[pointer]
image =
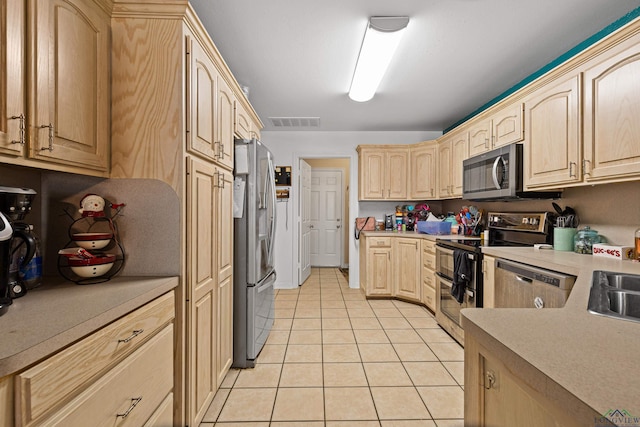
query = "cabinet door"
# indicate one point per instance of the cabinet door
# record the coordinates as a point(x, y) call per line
point(488, 281)
point(397, 171)
point(372, 172)
point(407, 268)
point(444, 169)
point(526, 407)
point(203, 81)
point(224, 242)
point(225, 124)
point(202, 287)
point(480, 138)
point(69, 97)
point(552, 129)
point(459, 153)
point(12, 78)
point(423, 172)
point(379, 281)
point(242, 122)
point(611, 112)
point(507, 126)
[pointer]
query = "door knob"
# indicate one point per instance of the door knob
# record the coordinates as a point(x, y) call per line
point(337, 226)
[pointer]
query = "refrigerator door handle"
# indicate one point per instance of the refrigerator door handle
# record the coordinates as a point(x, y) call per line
point(272, 181)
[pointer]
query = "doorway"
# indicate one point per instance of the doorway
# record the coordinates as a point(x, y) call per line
point(324, 205)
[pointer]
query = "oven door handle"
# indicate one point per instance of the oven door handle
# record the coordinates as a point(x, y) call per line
point(445, 250)
point(449, 284)
point(448, 281)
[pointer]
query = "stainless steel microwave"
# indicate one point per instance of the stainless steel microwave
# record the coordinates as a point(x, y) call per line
point(497, 175)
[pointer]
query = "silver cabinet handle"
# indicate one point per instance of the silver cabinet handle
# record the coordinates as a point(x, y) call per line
point(134, 334)
point(134, 403)
point(22, 139)
point(50, 147)
point(584, 166)
point(571, 166)
point(486, 142)
point(219, 178)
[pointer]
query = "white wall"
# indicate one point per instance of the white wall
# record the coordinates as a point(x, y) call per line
point(287, 148)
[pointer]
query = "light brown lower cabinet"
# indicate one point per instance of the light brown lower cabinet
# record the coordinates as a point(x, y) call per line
point(506, 393)
point(428, 274)
point(377, 266)
point(407, 268)
point(391, 266)
point(130, 393)
point(120, 375)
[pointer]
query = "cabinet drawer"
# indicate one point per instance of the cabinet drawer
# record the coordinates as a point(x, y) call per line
point(429, 261)
point(379, 242)
point(429, 296)
point(163, 417)
point(130, 393)
point(63, 375)
point(428, 278)
point(428, 247)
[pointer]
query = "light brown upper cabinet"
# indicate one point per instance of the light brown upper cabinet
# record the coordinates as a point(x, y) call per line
point(552, 134)
point(64, 124)
point(612, 112)
point(226, 111)
point(452, 151)
point(241, 122)
point(501, 128)
point(213, 113)
point(13, 78)
point(204, 89)
point(383, 172)
point(423, 170)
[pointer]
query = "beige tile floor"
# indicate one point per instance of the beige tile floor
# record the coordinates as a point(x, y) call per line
point(335, 359)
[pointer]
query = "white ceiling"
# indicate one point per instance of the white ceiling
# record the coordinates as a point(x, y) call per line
point(297, 56)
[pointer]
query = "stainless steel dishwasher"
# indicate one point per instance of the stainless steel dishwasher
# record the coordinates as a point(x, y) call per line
point(523, 286)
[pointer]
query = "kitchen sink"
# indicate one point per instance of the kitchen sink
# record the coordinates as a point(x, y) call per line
point(630, 282)
point(625, 303)
point(615, 295)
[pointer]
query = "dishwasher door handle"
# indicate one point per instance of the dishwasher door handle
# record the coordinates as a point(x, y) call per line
point(523, 279)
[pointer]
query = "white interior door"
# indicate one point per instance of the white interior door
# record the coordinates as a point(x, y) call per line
point(326, 218)
point(304, 231)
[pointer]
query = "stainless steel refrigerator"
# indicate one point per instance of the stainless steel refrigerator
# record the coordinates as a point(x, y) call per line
point(253, 266)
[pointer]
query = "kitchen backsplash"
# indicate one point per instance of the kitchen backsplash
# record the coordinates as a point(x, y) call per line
point(149, 225)
point(611, 209)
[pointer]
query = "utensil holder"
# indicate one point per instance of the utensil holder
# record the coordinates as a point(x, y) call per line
point(563, 238)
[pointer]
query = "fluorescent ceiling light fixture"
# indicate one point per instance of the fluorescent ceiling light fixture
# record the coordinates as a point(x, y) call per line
point(380, 42)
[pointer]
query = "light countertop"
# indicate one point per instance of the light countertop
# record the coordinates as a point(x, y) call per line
point(415, 234)
point(55, 315)
point(594, 358)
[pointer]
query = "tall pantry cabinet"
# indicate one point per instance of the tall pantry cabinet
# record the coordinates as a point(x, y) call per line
point(174, 104)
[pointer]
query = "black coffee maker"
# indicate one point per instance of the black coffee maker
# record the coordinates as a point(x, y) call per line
point(15, 204)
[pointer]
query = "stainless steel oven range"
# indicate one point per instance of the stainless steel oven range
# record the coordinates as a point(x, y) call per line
point(448, 308)
point(505, 229)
